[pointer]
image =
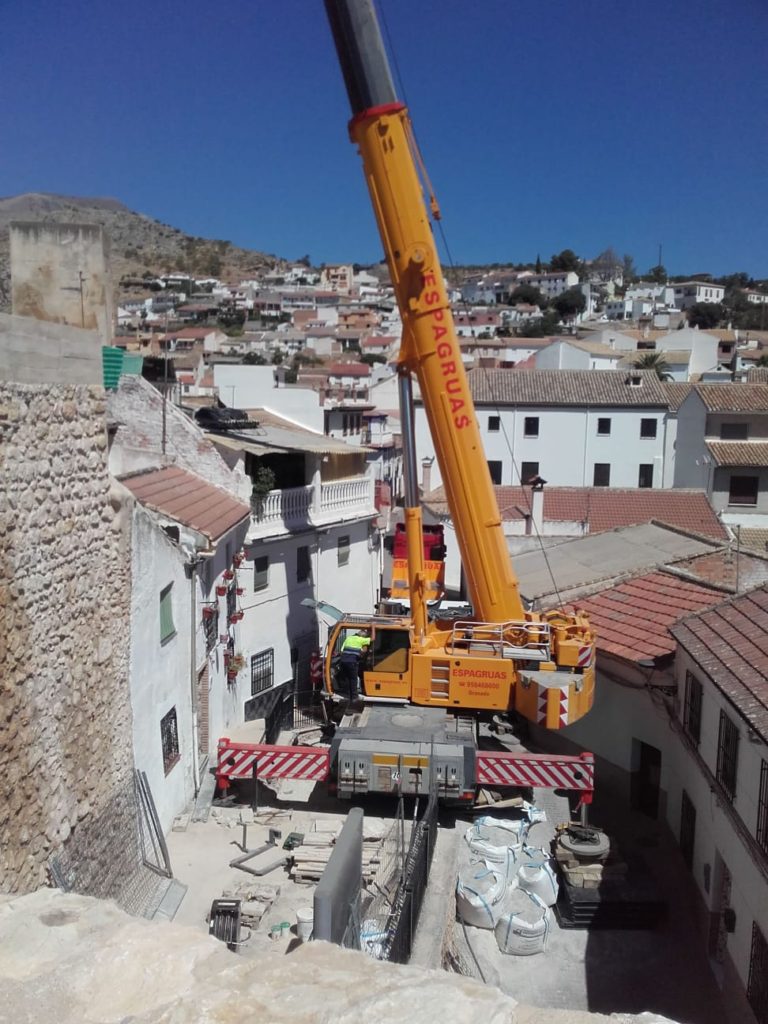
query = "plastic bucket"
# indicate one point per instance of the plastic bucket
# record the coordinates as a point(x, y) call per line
point(305, 919)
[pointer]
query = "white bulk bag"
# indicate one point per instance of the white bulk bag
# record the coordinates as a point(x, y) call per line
point(535, 875)
point(523, 928)
point(497, 841)
point(480, 895)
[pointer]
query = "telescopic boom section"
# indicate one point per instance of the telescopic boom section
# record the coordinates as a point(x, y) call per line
point(380, 126)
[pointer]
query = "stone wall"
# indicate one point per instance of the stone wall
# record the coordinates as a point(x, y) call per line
point(60, 273)
point(65, 724)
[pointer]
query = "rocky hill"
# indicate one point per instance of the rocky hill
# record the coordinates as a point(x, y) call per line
point(139, 244)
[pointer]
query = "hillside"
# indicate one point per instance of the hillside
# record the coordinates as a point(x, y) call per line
point(139, 244)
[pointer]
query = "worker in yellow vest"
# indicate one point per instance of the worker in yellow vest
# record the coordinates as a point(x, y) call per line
point(352, 653)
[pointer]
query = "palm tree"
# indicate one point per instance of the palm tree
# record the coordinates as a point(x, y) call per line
point(653, 361)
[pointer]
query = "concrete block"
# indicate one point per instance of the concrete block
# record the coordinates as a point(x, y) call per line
point(181, 822)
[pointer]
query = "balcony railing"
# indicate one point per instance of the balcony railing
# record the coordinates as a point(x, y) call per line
point(288, 507)
point(282, 511)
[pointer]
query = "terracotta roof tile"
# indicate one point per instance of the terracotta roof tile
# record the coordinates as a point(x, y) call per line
point(567, 387)
point(739, 453)
point(734, 397)
point(632, 620)
point(730, 643)
point(604, 508)
point(188, 500)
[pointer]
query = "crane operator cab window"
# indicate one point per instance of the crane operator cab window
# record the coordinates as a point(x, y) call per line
point(389, 651)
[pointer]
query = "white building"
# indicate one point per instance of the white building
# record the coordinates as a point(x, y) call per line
point(550, 284)
point(184, 532)
point(688, 293)
point(722, 447)
point(576, 428)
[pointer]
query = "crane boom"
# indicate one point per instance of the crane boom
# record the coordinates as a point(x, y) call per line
point(381, 128)
point(504, 658)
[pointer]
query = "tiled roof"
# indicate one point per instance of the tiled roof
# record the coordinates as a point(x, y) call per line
point(567, 387)
point(739, 453)
point(632, 619)
point(188, 500)
point(676, 392)
point(734, 397)
point(606, 508)
point(349, 370)
point(595, 348)
point(730, 643)
point(754, 538)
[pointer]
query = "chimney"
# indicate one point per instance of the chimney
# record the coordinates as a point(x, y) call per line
point(426, 474)
point(537, 504)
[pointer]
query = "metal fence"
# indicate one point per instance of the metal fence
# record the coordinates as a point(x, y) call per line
point(405, 918)
point(391, 912)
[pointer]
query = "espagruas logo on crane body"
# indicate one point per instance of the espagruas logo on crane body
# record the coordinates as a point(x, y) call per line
point(445, 353)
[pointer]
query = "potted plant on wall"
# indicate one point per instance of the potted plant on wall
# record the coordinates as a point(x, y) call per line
point(221, 590)
point(263, 483)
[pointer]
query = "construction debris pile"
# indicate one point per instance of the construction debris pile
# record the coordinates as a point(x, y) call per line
point(314, 852)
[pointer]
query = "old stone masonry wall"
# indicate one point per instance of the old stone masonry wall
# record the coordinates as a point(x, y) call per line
point(66, 766)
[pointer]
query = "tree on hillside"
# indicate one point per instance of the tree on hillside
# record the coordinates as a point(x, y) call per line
point(540, 327)
point(570, 303)
point(657, 274)
point(706, 315)
point(565, 260)
point(653, 361)
point(629, 268)
point(254, 359)
point(528, 295)
point(538, 263)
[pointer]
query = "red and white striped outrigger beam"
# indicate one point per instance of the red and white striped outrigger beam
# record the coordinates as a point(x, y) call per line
point(238, 761)
point(549, 771)
point(492, 767)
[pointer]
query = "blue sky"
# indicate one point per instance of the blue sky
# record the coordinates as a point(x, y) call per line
point(560, 123)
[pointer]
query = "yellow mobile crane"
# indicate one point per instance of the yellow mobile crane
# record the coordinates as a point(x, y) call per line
point(505, 659)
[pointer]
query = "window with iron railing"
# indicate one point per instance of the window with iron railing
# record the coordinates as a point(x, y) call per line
point(757, 983)
point(727, 755)
point(692, 702)
point(169, 737)
point(262, 670)
point(762, 808)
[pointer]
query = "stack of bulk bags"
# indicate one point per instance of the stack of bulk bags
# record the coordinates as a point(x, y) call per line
point(523, 928)
point(480, 895)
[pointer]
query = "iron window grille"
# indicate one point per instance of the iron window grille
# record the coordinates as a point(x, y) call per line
point(231, 601)
point(757, 984)
point(604, 426)
point(762, 808)
point(645, 475)
point(262, 671)
point(528, 470)
point(727, 755)
point(531, 426)
point(494, 468)
point(211, 626)
point(169, 736)
point(692, 707)
point(494, 423)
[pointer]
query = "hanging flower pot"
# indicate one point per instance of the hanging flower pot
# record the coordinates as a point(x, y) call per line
point(231, 675)
point(208, 611)
point(221, 591)
point(228, 574)
point(238, 559)
point(223, 638)
point(240, 591)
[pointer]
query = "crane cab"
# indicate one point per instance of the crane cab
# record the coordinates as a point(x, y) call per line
point(385, 667)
